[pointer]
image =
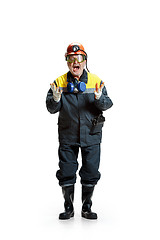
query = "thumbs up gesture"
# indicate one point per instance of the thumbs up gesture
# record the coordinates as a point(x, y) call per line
point(98, 91)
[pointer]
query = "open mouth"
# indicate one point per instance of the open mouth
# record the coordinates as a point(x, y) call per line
point(76, 68)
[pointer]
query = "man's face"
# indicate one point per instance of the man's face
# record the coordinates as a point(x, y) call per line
point(76, 67)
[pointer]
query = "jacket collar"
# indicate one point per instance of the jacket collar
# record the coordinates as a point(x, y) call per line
point(83, 78)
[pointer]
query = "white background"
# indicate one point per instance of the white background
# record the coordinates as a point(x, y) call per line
point(122, 39)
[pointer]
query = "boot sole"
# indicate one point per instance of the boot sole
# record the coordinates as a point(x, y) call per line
point(89, 216)
point(66, 217)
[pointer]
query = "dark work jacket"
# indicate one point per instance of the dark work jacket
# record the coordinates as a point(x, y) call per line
point(76, 113)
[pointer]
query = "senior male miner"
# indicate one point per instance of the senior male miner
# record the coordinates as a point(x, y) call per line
point(80, 97)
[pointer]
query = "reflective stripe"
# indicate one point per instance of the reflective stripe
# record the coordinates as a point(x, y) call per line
point(88, 90)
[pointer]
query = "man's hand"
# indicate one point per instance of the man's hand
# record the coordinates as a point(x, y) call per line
point(56, 92)
point(98, 91)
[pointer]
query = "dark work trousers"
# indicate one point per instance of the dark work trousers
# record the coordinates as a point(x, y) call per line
point(68, 164)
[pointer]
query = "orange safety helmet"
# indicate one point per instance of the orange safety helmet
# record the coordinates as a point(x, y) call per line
point(75, 48)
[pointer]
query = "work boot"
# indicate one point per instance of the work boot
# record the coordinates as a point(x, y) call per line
point(87, 193)
point(68, 193)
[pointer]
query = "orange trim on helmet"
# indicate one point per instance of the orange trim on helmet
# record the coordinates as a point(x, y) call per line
point(70, 49)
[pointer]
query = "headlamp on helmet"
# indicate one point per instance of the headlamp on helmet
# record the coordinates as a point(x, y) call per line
point(75, 48)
